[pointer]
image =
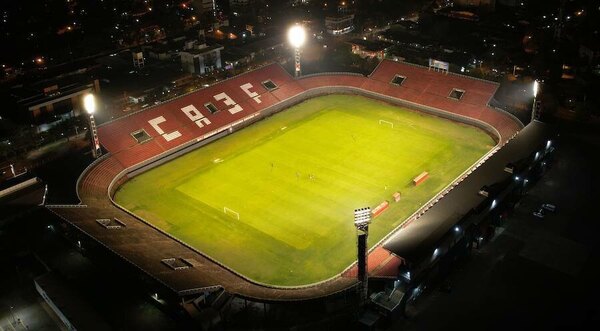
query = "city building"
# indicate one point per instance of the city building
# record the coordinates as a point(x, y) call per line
point(339, 24)
point(45, 105)
point(242, 7)
point(201, 59)
point(205, 6)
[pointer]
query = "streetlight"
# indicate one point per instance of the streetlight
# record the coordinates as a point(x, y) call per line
point(89, 104)
point(297, 37)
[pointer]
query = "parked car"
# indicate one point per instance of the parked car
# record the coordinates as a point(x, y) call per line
point(540, 213)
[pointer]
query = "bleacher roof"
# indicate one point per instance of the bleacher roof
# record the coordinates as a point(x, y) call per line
point(415, 241)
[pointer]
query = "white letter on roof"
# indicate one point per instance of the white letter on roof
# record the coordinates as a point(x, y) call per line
point(168, 136)
point(229, 102)
point(246, 88)
point(195, 115)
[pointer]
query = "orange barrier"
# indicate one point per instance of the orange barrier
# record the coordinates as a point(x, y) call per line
point(421, 178)
point(380, 209)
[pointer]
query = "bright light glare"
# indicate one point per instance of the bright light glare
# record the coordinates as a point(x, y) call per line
point(297, 36)
point(536, 87)
point(89, 103)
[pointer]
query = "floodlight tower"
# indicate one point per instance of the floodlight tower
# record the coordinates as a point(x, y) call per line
point(362, 219)
point(535, 109)
point(297, 37)
point(89, 103)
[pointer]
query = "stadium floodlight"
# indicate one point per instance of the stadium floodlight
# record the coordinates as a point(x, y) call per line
point(297, 37)
point(362, 218)
point(89, 104)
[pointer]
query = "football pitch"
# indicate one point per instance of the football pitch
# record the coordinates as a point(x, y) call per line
point(275, 201)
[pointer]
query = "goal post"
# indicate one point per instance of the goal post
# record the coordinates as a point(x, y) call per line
point(386, 123)
point(231, 212)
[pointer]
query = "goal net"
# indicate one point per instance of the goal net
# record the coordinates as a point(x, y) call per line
point(386, 123)
point(231, 212)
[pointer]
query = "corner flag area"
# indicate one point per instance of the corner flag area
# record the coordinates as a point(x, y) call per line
point(275, 201)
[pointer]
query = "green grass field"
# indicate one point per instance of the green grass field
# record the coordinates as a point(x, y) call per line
point(295, 180)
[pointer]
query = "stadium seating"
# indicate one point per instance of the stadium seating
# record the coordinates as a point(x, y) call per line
point(139, 153)
point(243, 96)
point(376, 258)
point(168, 127)
point(331, 80)
point(94, 183)
point(388, 268)
point(287, 91)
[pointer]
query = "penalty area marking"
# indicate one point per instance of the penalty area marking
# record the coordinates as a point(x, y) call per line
point(387, 123)
point(231, 212)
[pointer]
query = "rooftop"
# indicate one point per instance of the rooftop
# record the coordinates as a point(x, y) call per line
point(415, 241)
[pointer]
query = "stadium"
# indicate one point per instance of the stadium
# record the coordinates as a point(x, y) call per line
point(248, 186)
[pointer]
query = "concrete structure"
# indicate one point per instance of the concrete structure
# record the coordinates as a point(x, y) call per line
point(201, 59)
point(138, 59)
point(71, 309)
point(339, 24)
point(466, 219)
point(52, 101)
point(205, 6)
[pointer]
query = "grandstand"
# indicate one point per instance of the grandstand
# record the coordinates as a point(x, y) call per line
point(160, 133)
